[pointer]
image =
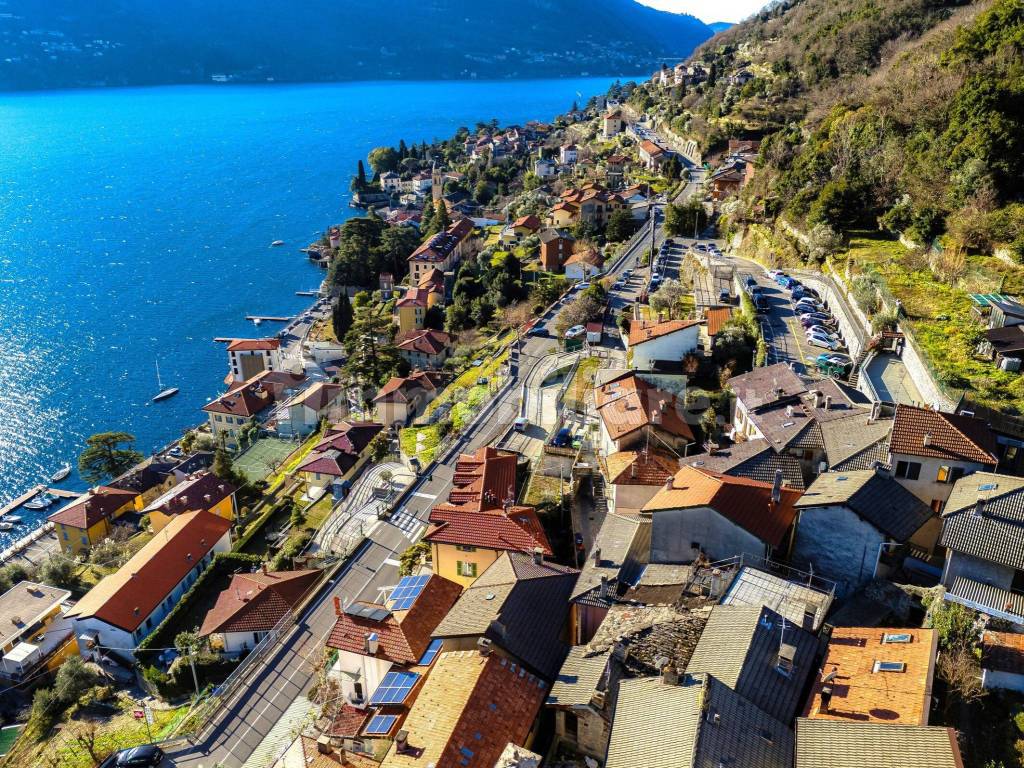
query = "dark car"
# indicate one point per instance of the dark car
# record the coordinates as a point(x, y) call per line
point(145, 756)
point(539, 331)
point(579, 542)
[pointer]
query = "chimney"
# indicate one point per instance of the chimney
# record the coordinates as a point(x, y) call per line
point(401, 741)
point(264, 565)
point(603, 593)
point(323, 744)
point(777, 487)
point(876, 411)
point(669, 674)
point(597, 554)
point(828, 402)
point(817, 398)
point(372, 643)
point(483, 645)
point(979, 507)
point(789, 411)
point(538, 556)
point(337, 606)
point(927, 440)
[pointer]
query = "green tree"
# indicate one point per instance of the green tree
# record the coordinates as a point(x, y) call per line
point(59, 571)
point(427, 219)
point(371, 356)
point(682, 218)
point(443, 221)
point(383, 159)
point(222, 466)
point(341, 316)
point(104, 457)
point(359, 180)
point(620, 226)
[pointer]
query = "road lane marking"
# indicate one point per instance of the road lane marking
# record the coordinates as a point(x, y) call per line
point(391, 561)
point(430, 496)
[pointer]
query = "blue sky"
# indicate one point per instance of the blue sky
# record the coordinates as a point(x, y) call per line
point(710, 10)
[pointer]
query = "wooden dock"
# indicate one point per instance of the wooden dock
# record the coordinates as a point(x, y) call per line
point(35, 491)
point(269, 318)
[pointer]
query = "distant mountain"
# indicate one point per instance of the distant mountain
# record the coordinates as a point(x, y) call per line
point(70, 43)
point(721, 26)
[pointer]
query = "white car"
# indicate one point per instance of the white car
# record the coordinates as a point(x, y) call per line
point(817, 330)
point(575, 331)
point(774, 273)
point(821, 341)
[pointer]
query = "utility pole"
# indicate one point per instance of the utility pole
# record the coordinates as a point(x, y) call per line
point(192, 664)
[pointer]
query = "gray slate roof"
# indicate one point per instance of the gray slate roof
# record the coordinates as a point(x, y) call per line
point(875, 498)
point(843, 744)
point(754, 459)
point(579, 676)
point(855, 441)
point(997, 534)
point(520, 606)
point(740, 646)
point(625, 545)
point(984, 597)
point(675, 726)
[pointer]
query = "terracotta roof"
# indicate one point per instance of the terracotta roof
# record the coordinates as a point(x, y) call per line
point(628, 403)
point(529, 221)
point(640, 468)
point(129, 595)
point(470, 707)
point(641, 332)
point(414, 297)
point(949, 435)
point(398, 388)
point(305, 753)
point(835, 744)
point(517, 530)
point(318, 396)
point(862, 694)
point(483, 480)
point(256, 602)
point(586, 256)
point(432, 279)
point(427, 341)
point(340, 448)
point(87, 510)
point(404, 635)
point(717, 317)
point(253, 345)
point(440, 246)
point(748, 503)
point(651, 148)
point(203, 490)
point(248, 399)
point(1002, 652)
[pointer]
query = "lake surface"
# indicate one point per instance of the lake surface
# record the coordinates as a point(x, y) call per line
point(135, 226)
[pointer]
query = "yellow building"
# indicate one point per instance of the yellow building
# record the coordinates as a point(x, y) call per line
point(411, 310)
point(203, 491)
point(564, 215)
point(480, 520)
point(90, 518)
point(32, 629)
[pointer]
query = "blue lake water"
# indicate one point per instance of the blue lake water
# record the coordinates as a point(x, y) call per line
point(135, 225)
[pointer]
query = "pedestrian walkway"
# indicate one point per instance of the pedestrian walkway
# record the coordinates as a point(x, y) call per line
point(299, 713)
point(891, 380)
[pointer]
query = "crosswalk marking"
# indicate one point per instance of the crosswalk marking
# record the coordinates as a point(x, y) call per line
point(391, 561)
point(429, 496)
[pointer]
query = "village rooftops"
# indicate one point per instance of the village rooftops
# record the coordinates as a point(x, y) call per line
point(521, 606)
point(747, 503)
point(629, 403)
point(759, 654)
point(586, 256)
point(529, 221)
point(400, 389)
point(469, 709)
point(440, 246)
point(317, 396)
point(647, 467)
point(835, 744)
point(128, 596)
point(253, 345)
point(934, 434)
point(640, 333)
point(24, 605)
point(340, 448)
point(755, 459)
point(426, 341)
point(204, 490)
point(414, 297)
point(256, 602)
point(651, 148)
point(858, 441)
point(619, 551)
point(872, 674)
point(693, 722)
point(402, 635)
point(547, 235)
point(716, 318)
point(95, 505)
point(874, 497)
point(984, 518)
point(767, 386)
point(246, 400)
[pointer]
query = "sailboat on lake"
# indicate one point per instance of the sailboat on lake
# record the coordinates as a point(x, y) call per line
point(164, 393)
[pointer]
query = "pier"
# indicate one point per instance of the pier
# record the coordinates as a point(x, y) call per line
point(37, 545)
point(269, 318)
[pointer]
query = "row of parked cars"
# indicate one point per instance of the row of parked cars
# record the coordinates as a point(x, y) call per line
point(820, 327)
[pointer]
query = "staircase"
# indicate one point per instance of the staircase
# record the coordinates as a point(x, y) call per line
point(855, 369)
point(600, 500)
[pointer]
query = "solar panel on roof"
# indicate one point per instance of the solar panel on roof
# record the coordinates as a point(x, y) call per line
point(409, 588)
point(432, 650)
point(394, 688)
point(380, 724)
point(366, 611)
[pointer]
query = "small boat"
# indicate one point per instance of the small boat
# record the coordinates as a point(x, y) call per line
point(165, 392)
point(13, 519)
point(256, 321)
point(277, 243)
point(5, 527)
point(61, 474)
point(38, 502)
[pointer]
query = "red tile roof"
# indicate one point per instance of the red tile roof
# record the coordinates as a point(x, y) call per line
point(203, 490)
point(586, 256)
point(398, 388)
point(403, 635)
point(630, 403)
point(247, 400)
point(717, 317)
point(427, 341)
point(256, 602)
point(414, 297)
point(85, 511)
point(748, 503)
point(129, 595)
point(641, 332)
point(640, 468)
point(339, 449)
point(253, 345)
point(926, 432)
point(529, 221)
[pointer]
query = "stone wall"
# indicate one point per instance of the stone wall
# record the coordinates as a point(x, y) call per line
point(923, 380)
point(839, 546)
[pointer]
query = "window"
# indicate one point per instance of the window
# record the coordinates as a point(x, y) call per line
point(889, 666)
point(908, 470)
point(943, 475)
point(896, 637)
point(255, 638)
point(571, 726)
point(466, 569)
point(465, 548)
point(65, 532)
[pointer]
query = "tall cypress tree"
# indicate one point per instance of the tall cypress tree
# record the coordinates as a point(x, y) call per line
point(361, 175)
point(341, 317)
point(443, 221)
point(427, 220)
point(403, 151)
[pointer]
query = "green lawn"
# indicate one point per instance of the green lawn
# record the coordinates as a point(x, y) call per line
point(939, 313)
point(8, 736)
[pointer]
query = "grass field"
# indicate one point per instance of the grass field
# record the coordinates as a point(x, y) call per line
point(8, 736)
point(261, 458)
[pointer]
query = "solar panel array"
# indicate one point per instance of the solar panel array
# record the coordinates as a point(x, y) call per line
point(380, 724)
point(432, 650)
point(394, 688)
point(408, 589)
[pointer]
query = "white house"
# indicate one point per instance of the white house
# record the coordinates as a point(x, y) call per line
point(584, 264)
point(304, 410)
point(248, 357)
point(568, 154)
point(544, 168)
point(125, 607)
point(390, 181)
point(669, 340)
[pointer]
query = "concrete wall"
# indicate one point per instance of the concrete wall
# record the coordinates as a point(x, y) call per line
point(838, 544)
point(923, 379)
point(969, 567)
point(350, 668)
point(1009, 681)
point(926, 487)
point(673, 530)
point(631, 497)
point(673, 346)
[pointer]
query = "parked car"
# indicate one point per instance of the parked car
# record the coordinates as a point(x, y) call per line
point(539, 332)
point(749, 281)
point(618, 286)
point(146, 756)
point(520, 424)
point(724, 297)
point(775, 274)
point(830, 367)
point(818, 330)
point(788, 282)
point(575, 331)
point(562, 438)
point(821, 341)
point(807, 321)
point(803, 292)
point(807, 305)
point(822, 316)
point(760, 302)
